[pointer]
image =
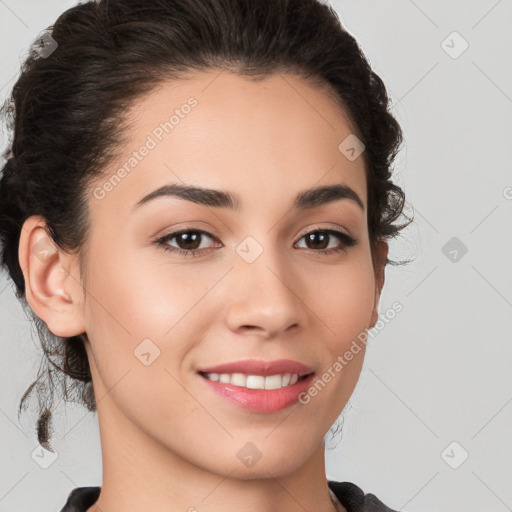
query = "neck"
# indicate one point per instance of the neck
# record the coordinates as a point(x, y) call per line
point(140, 473)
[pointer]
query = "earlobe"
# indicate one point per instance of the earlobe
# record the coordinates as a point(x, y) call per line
point(51, 290)
point(380, 269)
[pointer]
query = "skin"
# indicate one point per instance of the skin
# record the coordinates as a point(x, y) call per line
point(168, 442)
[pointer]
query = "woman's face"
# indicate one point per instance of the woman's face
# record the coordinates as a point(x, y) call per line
point(256, 286)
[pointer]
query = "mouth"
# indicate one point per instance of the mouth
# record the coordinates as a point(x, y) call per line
point(248, 381)
point(258, 385)
point(257, 393)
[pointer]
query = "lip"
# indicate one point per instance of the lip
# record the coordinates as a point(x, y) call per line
point(260, 367)
point(260, 400)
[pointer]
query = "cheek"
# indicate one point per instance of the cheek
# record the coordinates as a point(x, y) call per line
point(344, 299)
point(137, 305)
point(133, 297)
point(137, 339)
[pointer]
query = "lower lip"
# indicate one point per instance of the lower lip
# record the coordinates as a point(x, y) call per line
point(261, 400)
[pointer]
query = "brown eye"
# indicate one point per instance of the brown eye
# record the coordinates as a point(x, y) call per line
point(188, 241)
point(319, 241)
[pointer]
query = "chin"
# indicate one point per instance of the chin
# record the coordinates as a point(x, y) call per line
point(253, 463)
point(262, 469)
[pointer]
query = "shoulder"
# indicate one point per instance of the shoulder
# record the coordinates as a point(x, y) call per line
point(354, 499)
point(81, 498)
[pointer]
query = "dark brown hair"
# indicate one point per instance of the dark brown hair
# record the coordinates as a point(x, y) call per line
point(66, 111)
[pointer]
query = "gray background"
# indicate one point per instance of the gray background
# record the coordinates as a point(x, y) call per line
point(439, 372)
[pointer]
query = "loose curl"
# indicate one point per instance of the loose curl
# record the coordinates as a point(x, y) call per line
point(66, 118)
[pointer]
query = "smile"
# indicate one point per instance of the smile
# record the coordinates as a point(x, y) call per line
point(255, 381)
point(258, 393)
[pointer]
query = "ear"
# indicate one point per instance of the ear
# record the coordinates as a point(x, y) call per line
point(381, 255)
point(52, 281)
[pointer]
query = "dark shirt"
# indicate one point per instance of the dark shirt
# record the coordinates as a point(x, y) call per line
point(349, 495)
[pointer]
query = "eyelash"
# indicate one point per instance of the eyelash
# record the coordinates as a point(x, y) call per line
point(347, 241)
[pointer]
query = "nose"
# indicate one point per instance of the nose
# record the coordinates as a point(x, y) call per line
point(265, 297)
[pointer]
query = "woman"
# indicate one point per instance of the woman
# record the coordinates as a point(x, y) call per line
point(196, 212)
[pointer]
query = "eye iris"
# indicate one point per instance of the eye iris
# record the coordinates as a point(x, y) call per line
point(190, 237)
point(321, 234)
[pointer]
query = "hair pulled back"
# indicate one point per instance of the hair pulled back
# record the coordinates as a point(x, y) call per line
point(66, 109)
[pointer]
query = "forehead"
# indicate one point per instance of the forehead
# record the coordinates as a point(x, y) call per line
point(272, 138)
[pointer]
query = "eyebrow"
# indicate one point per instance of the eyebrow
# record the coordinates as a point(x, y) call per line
point(221, 199)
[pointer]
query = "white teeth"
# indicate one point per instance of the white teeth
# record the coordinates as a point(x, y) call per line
point(255, 381)
point(273, 382)
point(238, 379)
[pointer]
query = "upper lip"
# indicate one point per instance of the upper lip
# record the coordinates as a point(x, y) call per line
point(259, 367)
